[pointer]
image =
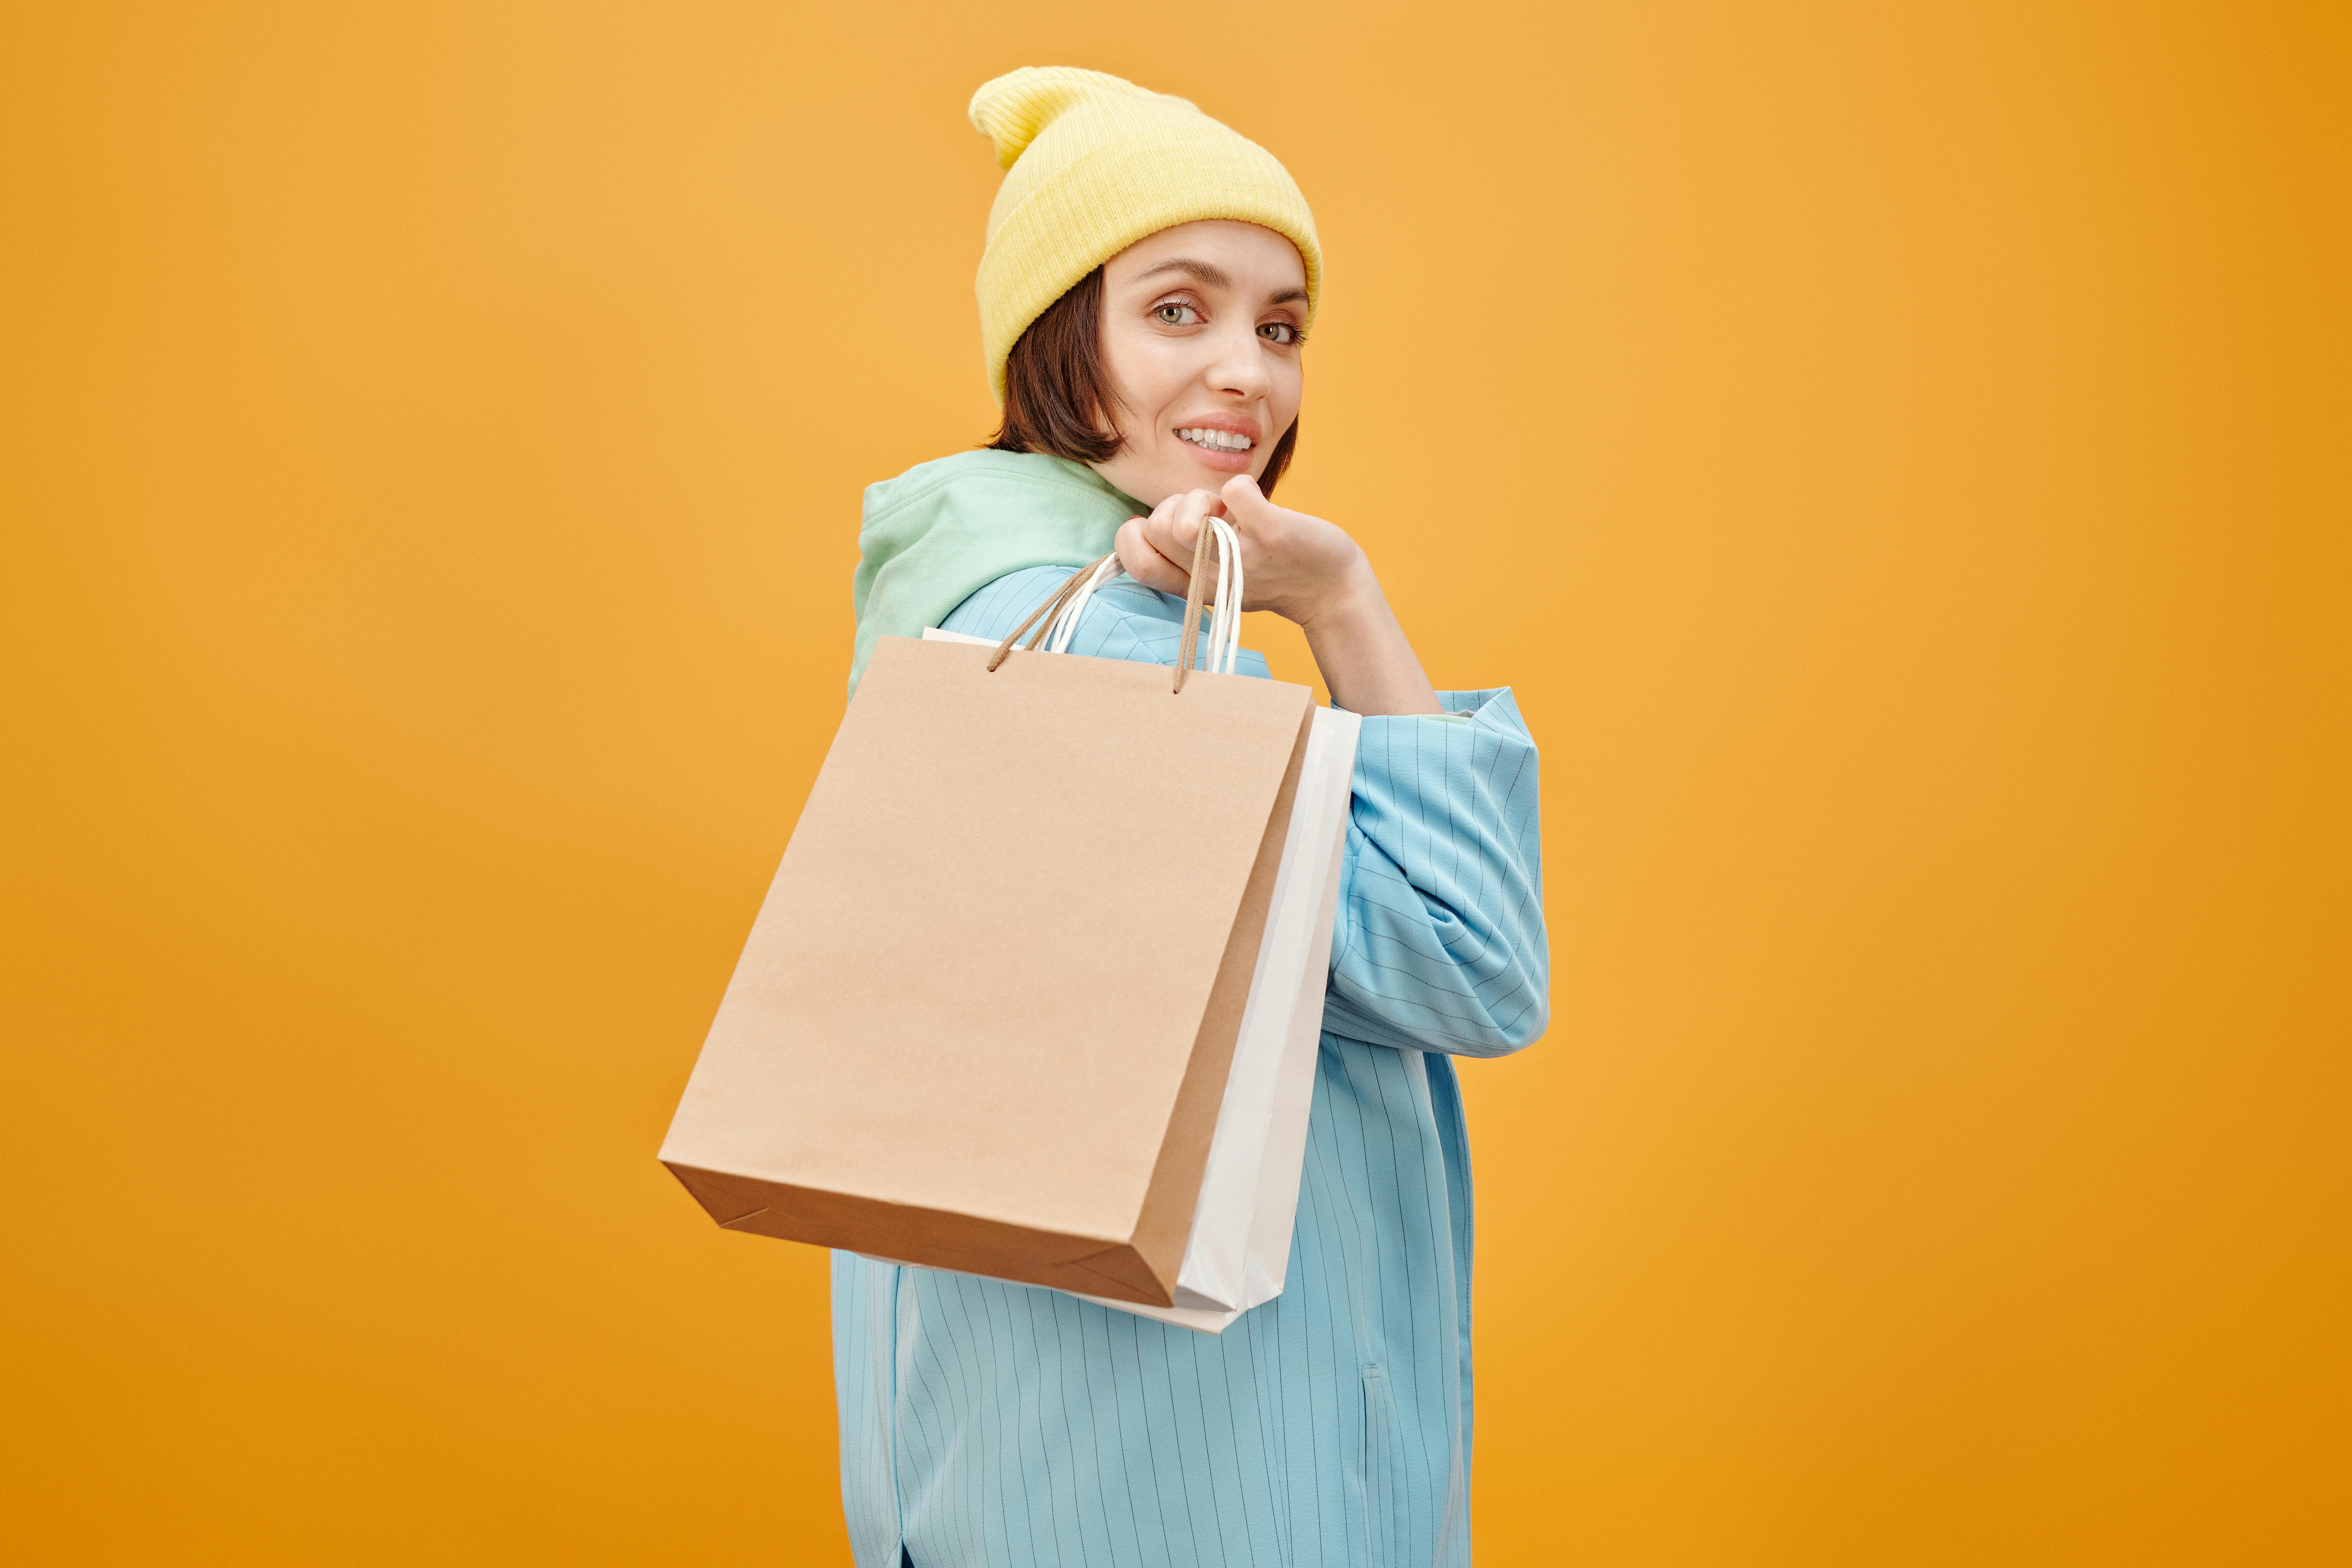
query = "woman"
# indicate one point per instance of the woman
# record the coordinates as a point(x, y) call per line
point(1145, 294)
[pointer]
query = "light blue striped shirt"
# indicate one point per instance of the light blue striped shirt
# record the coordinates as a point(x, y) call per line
point(986, 1424)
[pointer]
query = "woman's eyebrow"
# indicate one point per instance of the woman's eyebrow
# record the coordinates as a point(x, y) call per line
point(1215, 278)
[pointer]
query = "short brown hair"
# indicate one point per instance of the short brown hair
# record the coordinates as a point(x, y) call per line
point(1057, 395)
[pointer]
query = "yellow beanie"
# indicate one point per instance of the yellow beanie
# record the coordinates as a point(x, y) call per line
point(1095, 163)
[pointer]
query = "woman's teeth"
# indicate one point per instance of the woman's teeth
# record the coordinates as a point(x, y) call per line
point(1217, 441)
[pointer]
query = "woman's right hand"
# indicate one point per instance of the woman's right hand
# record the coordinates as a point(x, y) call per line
point(1303, 568)
point(1295, 565)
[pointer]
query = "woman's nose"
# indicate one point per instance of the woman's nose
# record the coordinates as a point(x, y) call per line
point(1240, 365)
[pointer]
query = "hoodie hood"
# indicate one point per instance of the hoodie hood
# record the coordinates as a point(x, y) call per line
point(944, 529)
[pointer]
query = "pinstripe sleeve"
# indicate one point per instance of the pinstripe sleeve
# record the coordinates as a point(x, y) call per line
point(1441, 944)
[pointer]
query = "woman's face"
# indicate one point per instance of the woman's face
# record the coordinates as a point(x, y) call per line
point(1201, 330)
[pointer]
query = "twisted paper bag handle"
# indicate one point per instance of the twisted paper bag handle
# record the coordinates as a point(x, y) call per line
point(1061, 610)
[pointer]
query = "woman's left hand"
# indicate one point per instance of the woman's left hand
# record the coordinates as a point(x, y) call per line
point(1303, 568)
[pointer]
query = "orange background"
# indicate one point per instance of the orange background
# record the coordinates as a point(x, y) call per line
point(1898, 454)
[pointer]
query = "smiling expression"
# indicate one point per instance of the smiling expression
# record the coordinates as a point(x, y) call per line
point(1201, 329)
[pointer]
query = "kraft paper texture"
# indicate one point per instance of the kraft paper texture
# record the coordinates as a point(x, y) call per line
point(983, 1018)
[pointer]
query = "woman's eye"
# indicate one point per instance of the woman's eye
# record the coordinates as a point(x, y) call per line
point(1278, 332)
point(1176, 315)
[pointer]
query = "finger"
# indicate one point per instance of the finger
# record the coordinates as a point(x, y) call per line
point(1246, 504)
point(1156, 529)
point(1242, 498)
point(1175, 525)
point(1159, 528)
point(1144, 562)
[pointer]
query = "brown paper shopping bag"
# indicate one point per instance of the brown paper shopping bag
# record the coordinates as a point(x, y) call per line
point(983, 1019)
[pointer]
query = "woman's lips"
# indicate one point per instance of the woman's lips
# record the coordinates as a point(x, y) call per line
point(1223, 459)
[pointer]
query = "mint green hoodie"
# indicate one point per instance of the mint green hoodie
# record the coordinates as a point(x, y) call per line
point(944, 529)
